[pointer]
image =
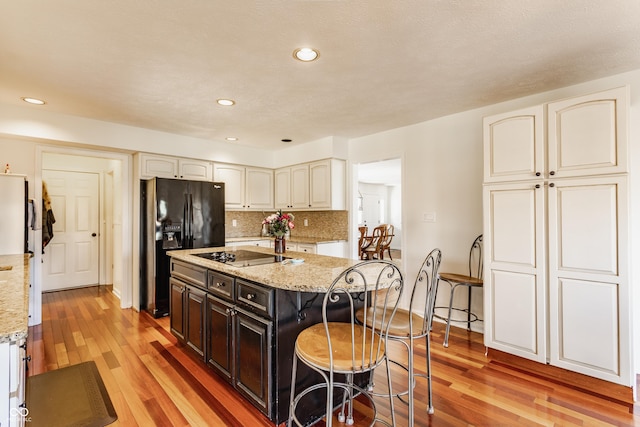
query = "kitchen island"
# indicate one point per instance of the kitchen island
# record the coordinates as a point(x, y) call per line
point(243, 321)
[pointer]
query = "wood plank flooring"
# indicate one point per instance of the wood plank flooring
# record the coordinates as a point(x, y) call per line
point(152, 380)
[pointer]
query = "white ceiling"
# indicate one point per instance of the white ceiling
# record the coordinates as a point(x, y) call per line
point(383, 64)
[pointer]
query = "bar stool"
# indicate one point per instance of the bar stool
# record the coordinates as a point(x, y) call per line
point(345, 348)
point(410, 325)
point(470, 281)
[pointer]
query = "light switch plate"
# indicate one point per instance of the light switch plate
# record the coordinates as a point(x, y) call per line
point(428, 217)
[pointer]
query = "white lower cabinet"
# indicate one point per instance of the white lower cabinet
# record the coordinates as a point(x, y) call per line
point(12, 383)
point(556, 281)
point(263, 243)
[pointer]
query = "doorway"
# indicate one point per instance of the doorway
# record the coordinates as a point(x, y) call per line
point(71, 258)
point(115, 223)
point(379, 193)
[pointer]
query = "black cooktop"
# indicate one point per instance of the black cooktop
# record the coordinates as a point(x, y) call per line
point(242, 258)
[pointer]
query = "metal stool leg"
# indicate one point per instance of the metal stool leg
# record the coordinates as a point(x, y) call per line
point(446, 335)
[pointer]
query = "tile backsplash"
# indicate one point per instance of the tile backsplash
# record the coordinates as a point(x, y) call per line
point(332, 225)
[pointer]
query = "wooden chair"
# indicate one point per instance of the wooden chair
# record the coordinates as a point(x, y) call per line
point(364, 241)
point(470, 281)
point(382, 237)
point(341, 351)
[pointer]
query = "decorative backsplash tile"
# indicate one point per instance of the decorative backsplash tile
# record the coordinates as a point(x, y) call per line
point(330, 225)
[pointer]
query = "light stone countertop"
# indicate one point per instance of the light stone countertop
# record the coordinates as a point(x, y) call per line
point(294, 239)
point(14, 298)
point(315, 274)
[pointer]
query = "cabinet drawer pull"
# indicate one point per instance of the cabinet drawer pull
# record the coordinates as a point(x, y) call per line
point(220, 284)
point(251, 296)
point(537, 185)
point(552, 185)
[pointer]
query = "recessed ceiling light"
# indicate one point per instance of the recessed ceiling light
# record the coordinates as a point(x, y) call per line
point(231, 138)
point(34, 101)
point(306, 54)
point(226, 102)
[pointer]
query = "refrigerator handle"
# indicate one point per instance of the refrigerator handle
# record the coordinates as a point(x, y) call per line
point(190, 220)
point(185, 222)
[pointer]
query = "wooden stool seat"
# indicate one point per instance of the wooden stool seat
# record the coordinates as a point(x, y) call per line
point(400, 324)
point(461, 278)
point(313, 347)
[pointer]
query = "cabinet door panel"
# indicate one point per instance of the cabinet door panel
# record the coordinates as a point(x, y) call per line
point(234, 184)
point(513, 225)
point(587, 331)
point(589, 310)
point(195, 170)
point(259, 191)
point(586, 223)
point(219, 339)
point(177, 306)
point(195, 319)
point(588, 134)
point(514, 286)
point(514, 145)
point(300, 186)
point(515, 316)
point(253, 359)
point(282, 179)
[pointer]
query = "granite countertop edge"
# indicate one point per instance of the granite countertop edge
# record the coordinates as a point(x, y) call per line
point(14, 300)
point(294, 239)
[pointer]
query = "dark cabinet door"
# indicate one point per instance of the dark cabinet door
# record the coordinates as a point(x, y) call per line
point(177, 311)
point(195, 318)
point(253, 377)
point(219, 339)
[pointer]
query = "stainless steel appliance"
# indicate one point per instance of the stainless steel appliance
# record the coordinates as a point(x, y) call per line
point(13, 214)
point(176, 214)
point(242, 258)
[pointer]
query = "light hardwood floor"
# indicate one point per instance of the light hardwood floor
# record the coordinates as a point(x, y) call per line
point(152, 380)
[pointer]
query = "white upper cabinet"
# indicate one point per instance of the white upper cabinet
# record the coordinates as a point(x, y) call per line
point(588, 135)
point(327, 184)
point(152, 165)
point(514, 145)
point(292, 187)
point(245, 187)
point(317, 185)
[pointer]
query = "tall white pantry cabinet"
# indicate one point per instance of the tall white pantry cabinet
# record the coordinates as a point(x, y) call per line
point(555, 199)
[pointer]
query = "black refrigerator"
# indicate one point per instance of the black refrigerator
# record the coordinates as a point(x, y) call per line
point(175, 214)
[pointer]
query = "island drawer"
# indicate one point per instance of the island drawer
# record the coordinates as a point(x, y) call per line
point(190, 273)
point(256, 298)
point(221, 285)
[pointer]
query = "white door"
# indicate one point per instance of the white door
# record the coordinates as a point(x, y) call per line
point(588, 287)
point(71, 257)
point(514, 289)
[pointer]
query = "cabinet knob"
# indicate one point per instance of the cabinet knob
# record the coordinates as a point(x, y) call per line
point(552, 173)
point(552, 185)
point(537, 173)
point(219, 284)
point(251, 296)
point(537, 185)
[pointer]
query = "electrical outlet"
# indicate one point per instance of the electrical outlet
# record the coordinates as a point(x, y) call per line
point(234, 223)
point(306, 222)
